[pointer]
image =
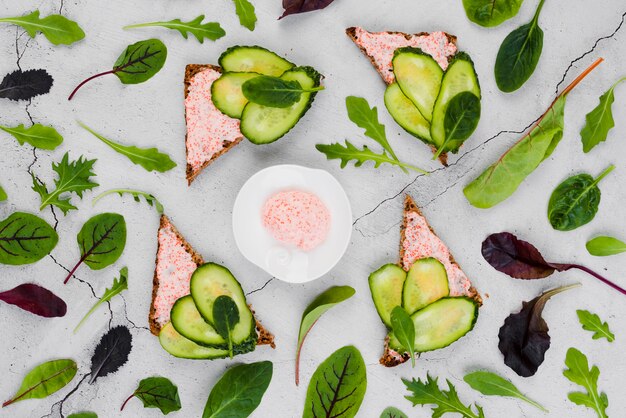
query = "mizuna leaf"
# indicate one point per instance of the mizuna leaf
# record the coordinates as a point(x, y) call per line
point(444, 401)
point(490, 13)
point(239, 391)
point(338, 386)
point(83, 415)
point(118, 286)
point(578, 372)
point(157, 392)
point(302, 6)
point(403, 328)
point(111, 353)
point(56, 28)
point(604, 246)
point(225, 317)
point(274, 91)
point(35, 299)
point(24, 85)
point(599, 120)
point(592, 322)
point(39, 136)
point(44, 380)
point(245, 11)
point(491, 384)
point(391, 412)
point(314, 311)
point(209, 30)
point(349, 152)
point(149, 158)
point(25, 239)
point(136, 194)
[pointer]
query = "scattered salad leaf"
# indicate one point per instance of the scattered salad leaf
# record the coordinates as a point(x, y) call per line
point(490, 13)
point(578, 372)
point(349, 152)
point(3, 194)
point(302, 6)
point(111, 352)
point(460, 121)
point(225, 317)
point(74, 177)
point(157, 392)
point(119, 285)
point(391, 412)
point(101, 241)
point(35, 299)
point(149, 158)
point(592, 322)
point(245, 11)
point(138, 63)
point(39, 136)
point(338, 386)
point(603, 246)
point(445, 401)
point(44, 380)
point(150, 199)
point(239, 391)
point(274, 91)
point(83, 415)
point(202, 31)
point(599, 120)
point(322, 303)
point(575, 201)
point(404, 330)
point(25, 239)
point(491, 384)
point(58, 29)
point(524, 337)
point(24, 85)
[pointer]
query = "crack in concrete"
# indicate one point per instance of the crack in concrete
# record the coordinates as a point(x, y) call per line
point(132, 324)
point(74, 276)
point(261, 288)
point(61, 402)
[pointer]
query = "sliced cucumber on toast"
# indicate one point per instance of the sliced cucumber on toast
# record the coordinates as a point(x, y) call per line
point(404, 112)
point(253, 59)
point(181, 347)
point(226, 93)
point(426, 282)
point(188, 322)
point(386, 285)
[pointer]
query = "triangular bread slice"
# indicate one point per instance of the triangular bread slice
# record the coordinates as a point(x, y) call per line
point(210, 133)
point(419, 240)
point(176, 260)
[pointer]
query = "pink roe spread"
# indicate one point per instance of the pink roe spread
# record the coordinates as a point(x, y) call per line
point(297, 218)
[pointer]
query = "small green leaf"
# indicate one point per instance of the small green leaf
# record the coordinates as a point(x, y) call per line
point(489, 13)
point(225, 317)
point(25, 239)
point(140, 61)
point(157, 392)
point(460, 121)
point(445, 401)
point(404, 330)
point(592, 322)
point(274, 91)
point(3, 194)
point(603, 246)
point(83, 415)
point(39, 136)
point(245, 11)
point(578, 372)
point(349, 152)
point(118, 286)
point(391, 412)
point(150, 199)
point(599, 120)
point(491, 384)
point(209, 30)
point(56, 28)
point(44, 380)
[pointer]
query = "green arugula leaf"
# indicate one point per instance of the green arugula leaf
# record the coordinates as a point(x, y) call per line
point(404, 330)
point(149, 158)
point(157, 392)
point(491, 384)
point(150, 199)
point(25, 239)
point(3, 194)
point(489, 13)
point(225, 317)
point(314, 311)
point(578, 372)
point(83, 415)
point(119, 285)
point(391, 412)
point(599, 120)
point(274, 91)
point(245, 11)
point(592, 322)
point(74, 177)
point(445, 401)
point(239, 391)
point(44, 380)
point(209, 30)
point(604, 246)
point(39, 136)
point(350, 152)
point(56, 28)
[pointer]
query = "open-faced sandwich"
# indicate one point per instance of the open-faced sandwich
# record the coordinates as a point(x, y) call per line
point(429, 285)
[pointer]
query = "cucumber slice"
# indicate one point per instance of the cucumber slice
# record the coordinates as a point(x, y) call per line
point(227, 95)
point(441, 323)
point(419, 76)
point(253, 59)
point(188, 322)
point(459, 77)
point(386, 285)
point(181, 347)
point(406, 114)
point(426, 282)
point(263, 124)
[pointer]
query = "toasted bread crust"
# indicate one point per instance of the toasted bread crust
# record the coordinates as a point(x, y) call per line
point(265, 337)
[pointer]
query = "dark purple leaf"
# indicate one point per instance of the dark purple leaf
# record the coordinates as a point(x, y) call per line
point(35, 299)
point(24, 85)
point(111, 352)
point(524, 337)
point(301, 6)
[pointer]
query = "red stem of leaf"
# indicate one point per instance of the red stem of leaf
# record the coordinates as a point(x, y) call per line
point(301, 343)
point(71, 273)
point(594, 274)
point(88, 80)
point(126, 401)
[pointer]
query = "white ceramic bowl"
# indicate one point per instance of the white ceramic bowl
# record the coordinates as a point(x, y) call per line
point(285, 262)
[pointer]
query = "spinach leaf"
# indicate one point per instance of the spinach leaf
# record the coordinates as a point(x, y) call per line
point(578, 372)
point(274, 91)
point(314, 311)
point(302, 6)
point(404, 330)
point(445, 401)
point(225, 317)
point(491, 384)
point(490, 13)
point(44, 380)
point(391, 412)
point(209, 30)
point(101, 241)
point(35, 299)
point(39, 136)
point(56, 28)
point(239, 391)
point(25, 239)
point(150, 199)
point(460, 121)
point(603, 246)
point(575, 201)
point(157, 392)
point(599, 120)
point(592, 322)
point(148, 158)
point(24, 85)
point(119, 285)
point(245, 11)
point(349, 152)
point(111, 353)
point(337, 386)
point(83, 415)
point(519, 54)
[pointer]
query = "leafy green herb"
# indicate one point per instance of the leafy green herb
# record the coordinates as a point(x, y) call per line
point(575, 201)
point(149, 158)
point(490, 13)
point(592, 322)
point(445, 401)
point(599, 120)
point(225, 317)
point(603, 246)
point(56, 28)
point(3, 194)
point(150, 199)
point(349, 152)
point(491, 384)
point(83, 415)
point(245, 11)
point(138, 63)
point(404, 329)
point(519, 54)
point(391, 412)
point(314, 311)
point(578, 372)
point(274, 91)
point(239, 391)
point(44, 380)
point(101, 241)
point(157, 392)
point(202, 31)
point(119, 285)
point(39, 136)
point(462, 116)
point(25, 239)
